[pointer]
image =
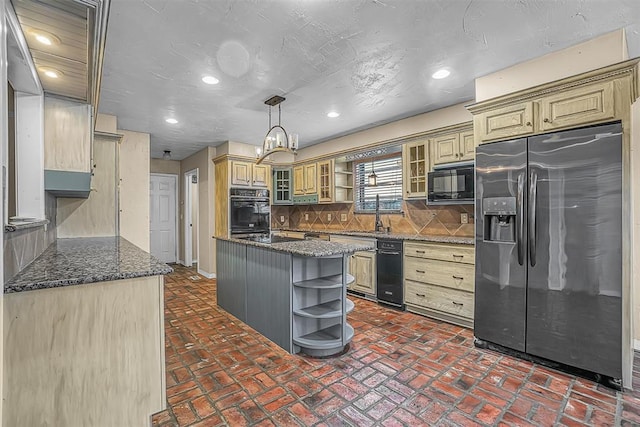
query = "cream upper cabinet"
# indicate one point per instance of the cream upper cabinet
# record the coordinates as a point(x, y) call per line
point(416, 163)
point(325, 182)
point(467, 145)
point(250, 174)
point(579, 106)
point(455, 147)
point(551, 110)
point(504, 123)
point(260, 175)
point(240, 173)
point(67, 135)
point(305, 179)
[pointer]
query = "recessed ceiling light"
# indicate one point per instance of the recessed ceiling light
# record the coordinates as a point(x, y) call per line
point(441, 74)
point(210, 80)
point(52, 73)
point(44, 39)
point(333, 114)
point(171, 121)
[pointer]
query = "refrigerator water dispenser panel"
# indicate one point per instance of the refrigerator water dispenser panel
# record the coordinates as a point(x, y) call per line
point(499, 219)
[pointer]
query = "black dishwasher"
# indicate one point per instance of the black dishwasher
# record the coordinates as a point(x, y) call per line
point(389, 272)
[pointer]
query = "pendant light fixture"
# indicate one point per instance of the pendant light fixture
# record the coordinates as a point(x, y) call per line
point(277, 139)
point(373, 178)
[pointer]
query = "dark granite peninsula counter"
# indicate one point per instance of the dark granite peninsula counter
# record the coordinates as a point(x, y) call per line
point(86, 260)
point(294, 293)
point(84, 328)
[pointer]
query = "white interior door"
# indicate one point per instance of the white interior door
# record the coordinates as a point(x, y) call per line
point(162, 216)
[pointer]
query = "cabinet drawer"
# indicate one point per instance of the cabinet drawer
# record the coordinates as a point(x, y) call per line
point(577, 107)
point(504, 123)
point(456, 253)
point(448, 274)
point(447, 300)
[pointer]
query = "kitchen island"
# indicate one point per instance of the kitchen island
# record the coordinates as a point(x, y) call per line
point(292, 292)
point(84, 336)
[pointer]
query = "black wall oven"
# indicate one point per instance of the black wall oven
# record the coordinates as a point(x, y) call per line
point(249, 212)
point(451, 185)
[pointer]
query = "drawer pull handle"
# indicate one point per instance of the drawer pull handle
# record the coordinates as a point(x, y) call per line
point(458, 277)
point(420, 271)
point(419, 252)
point(528, 124)
point(457, 303)
point(458, 256)
point(547, 120)
point(421, 295)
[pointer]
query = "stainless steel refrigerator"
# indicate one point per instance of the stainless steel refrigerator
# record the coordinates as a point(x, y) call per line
point(549, 247)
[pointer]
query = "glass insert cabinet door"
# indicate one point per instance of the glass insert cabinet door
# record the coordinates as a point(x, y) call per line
point(282, 191)
point(416, 164)
point(325, 175)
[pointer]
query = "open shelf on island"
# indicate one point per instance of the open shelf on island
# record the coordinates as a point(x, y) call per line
point(326, 339)
point(327, 282)
point(325, 311)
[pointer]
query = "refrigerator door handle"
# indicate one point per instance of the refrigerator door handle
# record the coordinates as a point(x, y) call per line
point(520, 219)
point(533, 188)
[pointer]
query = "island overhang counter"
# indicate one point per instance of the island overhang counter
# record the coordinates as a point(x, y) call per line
point(294, 293)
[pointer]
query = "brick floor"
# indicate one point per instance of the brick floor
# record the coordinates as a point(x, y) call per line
point(400, 370)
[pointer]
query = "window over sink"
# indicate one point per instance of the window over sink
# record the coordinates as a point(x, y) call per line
point(388, 170)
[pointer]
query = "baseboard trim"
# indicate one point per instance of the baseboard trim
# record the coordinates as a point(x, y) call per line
point(636, 345)
point(207, 275)
point(181, 262)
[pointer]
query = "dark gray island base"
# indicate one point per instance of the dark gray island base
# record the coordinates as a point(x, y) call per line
point(293, 293)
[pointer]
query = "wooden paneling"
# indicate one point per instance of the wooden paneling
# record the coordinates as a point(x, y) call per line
point(231, 268)
point(504, 123)
point(311, 178)
point(134, 188)
point(67, 135)
point(580, 106)
point(222, 198)
point(363, 268)
point(95, 216)
point(467, 146)
point(86, 355)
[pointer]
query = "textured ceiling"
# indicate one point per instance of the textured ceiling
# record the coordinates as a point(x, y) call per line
point(371, 60)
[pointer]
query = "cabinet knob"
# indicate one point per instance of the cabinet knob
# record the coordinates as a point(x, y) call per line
point(461, 154)
point(547, 120)
point(528, 124)
point(457, 154)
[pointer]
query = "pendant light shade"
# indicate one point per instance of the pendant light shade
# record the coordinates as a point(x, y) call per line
point(373, 178)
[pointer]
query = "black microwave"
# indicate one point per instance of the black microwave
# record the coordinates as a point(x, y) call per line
point(454, 185)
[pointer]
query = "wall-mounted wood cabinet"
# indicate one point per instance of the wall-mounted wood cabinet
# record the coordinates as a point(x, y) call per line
point(578, 106)
point(305, 179)
point(415, 160)
point(249, 174)
point(282, 193)
point(343, 181)
point(453, 147)
point(325, 182)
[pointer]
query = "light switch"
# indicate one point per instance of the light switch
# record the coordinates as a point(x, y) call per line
point(343, 217)
point(464, 218)
point(328, 217)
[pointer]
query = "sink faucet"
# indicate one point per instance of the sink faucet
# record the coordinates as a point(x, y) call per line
point(379, 225)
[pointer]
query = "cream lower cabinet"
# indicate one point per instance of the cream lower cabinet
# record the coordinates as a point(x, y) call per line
point(439, 281)
point(362, 266)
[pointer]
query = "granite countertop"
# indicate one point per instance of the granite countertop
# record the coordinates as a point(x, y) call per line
point(398, 236)
point(15, 225)
point(70, 262)
point(310, 248)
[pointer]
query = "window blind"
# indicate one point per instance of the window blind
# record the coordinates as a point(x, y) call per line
point(389, 184)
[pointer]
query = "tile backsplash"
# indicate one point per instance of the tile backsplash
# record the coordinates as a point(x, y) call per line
point(417, 218)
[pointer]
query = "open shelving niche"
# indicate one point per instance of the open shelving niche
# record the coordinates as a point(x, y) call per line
point(343, 181)
point(320, 305)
